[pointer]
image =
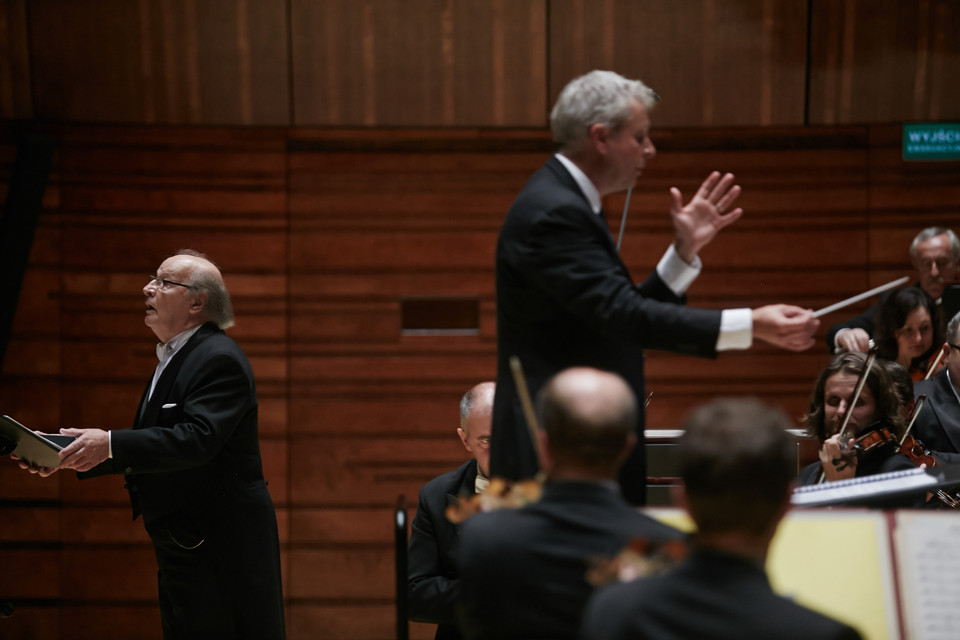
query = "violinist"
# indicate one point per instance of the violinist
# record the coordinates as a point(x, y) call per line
point(938, 422)
point(909, 330)
point(871, 440)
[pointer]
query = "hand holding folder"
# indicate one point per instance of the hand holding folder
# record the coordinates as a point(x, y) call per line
point(38, 452)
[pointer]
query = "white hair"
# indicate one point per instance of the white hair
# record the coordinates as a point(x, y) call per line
point(598, 97)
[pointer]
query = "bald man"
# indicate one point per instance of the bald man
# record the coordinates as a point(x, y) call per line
point(523, 571)
point(192, 464)
point(432, 577)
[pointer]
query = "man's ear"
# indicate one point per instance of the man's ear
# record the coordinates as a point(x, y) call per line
point(199, 302)
point(597, 135)
point(463, 438)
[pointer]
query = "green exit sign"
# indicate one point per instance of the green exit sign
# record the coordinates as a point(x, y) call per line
point(931, 141)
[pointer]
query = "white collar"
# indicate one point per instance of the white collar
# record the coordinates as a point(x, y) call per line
point(166, 350)
point(586, 186)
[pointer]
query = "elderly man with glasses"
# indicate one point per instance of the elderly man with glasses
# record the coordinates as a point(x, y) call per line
point(192, 464)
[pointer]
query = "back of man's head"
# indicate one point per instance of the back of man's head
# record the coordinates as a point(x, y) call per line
point(737, 463)
point(589, 417)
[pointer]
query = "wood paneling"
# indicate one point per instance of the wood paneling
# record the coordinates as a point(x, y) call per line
point(322, 234)
point(884, 61)
point(714, 63)
point(15, 94)
point(161, 61)
point(419, 62)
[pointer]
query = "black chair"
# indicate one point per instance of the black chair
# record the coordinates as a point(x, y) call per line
point(400, 565)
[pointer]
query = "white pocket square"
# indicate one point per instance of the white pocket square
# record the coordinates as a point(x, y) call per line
point(169, 406)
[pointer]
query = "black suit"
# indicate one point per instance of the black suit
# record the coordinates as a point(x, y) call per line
point(564, 298)
point(938, 423)
point(523, 571)
point(193, 470)
point(711, 595)
point(432, 578)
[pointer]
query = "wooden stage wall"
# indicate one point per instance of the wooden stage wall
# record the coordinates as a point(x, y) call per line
point(322, 237)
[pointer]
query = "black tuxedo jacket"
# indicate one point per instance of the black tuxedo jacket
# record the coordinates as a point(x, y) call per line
point(710, 595)
point(523, 571)
point(193, 470)
point(432, 578)
point(565, 298)
point(196, 438)
point(938, 423)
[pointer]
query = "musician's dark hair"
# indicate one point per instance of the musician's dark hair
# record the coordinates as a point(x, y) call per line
point(892, 315)
point(878, 381)
point(737, 462)
point(899, 378)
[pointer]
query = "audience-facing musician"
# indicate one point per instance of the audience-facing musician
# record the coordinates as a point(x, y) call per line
point(523, 571)
point(909, 330)
point(876, 410)
point(737, 465)
point(935, 253)
point(432, 578)
point(938, 422)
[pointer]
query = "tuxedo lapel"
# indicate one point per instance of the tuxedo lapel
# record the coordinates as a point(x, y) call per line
point(169, 375)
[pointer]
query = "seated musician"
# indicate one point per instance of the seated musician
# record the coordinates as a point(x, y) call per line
point(938, 422)
point(909, 330)
point(736, 461)
point(870, 442)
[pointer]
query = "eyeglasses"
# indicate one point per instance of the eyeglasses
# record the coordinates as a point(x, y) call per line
point(163, 283)
point(955, 347)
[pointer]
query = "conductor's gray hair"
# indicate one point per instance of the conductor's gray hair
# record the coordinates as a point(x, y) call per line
point(598, 97)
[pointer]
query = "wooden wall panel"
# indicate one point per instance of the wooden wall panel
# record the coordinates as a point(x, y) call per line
point(213, 62)
point(713, 63)
point(419, 62)
point(884, 61)
point(15, 92)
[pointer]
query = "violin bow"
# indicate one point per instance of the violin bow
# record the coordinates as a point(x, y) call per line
point(913, 417)
point(933, 367)
point(531, 416)
point(867, 365)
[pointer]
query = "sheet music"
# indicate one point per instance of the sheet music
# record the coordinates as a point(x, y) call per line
point(928, 557)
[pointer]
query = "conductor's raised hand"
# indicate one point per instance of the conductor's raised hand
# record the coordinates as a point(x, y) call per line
point(785, 326)
point(696, 223)
point(91, 447)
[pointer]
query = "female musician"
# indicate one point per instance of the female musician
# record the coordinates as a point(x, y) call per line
point(876, 416)
point(909, 330)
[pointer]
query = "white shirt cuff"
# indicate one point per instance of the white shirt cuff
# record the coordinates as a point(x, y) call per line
point(676, 273)
point(109, 444)
point(736, 329)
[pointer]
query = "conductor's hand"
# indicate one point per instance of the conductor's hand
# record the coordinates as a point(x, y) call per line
point(696, 224)
point(43, 472)
point(91, 447)
point(853, 340)
point(785, 326)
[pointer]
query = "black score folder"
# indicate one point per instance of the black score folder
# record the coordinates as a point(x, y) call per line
point(39, 449)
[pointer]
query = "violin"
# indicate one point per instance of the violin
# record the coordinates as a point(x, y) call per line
point(876, 437)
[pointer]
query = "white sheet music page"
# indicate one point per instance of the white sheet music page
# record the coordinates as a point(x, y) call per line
point(928, 557)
